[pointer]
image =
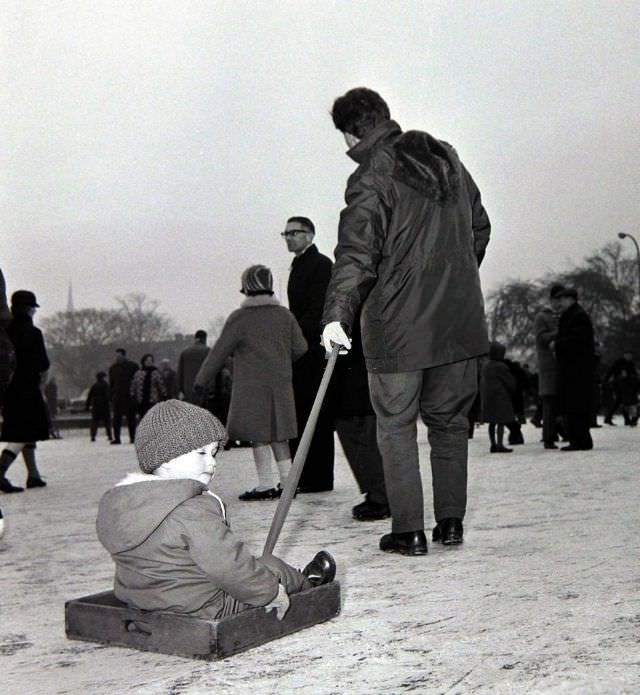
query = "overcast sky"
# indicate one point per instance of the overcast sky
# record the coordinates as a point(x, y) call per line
point(159, 147)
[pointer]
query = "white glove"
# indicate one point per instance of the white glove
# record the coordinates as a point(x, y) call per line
point(333, 334)
point(280, 603)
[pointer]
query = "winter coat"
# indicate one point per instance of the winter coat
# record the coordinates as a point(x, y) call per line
point(147, 387)
point(409, 244)
point(545, 328)
point(24, 411)
point(575, 361)
point(497, 387)
point(189, 363)
point(120, 378)
point(98, 398)
point(174, 551)
point(624, 375)
point(264, 339)
point(7, 353)
point(170, 379)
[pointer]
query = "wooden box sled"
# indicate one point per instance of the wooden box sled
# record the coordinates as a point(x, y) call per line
point(103, 618)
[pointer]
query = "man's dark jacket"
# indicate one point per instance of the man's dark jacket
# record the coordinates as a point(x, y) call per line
point(409, 245)
point(120, 377)
point(575, 361)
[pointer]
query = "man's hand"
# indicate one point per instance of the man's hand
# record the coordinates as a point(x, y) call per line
point(333, 334)
point(280, 603)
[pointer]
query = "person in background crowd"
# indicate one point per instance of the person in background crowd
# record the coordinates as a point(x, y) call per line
point(521, 389)
point(497, 387)
point(98, 401)
point(623, 376)
point(410, 241)
point(264, 338)
point(51, 396)
point(596, 399)
point(355, 424)
point(574, 348)
point(147, 386)
point(306, 288)
point(545, 328)
point(7, 356)
point(25, 419)
point(121, 375)
point(189, 363)
point(170, 378)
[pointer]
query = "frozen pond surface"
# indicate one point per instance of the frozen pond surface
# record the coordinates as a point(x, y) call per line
point(543, 597)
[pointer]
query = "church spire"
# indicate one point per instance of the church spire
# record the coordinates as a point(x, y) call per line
point(70, 308)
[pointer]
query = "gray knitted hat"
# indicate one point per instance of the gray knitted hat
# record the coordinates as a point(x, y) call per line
point(172, 428)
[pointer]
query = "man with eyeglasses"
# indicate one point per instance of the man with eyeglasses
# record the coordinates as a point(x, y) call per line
point(308, 280)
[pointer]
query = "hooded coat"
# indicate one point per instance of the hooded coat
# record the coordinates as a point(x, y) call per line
point(410, 241)
point(174, 551)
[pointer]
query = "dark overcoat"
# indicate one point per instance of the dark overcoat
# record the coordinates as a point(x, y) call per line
point(575, 361)
point(497, 386)
point(409, 244)
point(24, 411)
point(189, 363)
point(121, 375)
point(545, 328)
point(264, 339)
point(98, 399)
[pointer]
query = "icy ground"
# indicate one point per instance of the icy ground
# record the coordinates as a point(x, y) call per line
point(543, 597)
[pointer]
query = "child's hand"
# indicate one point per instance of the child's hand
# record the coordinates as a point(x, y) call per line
point(280, 603)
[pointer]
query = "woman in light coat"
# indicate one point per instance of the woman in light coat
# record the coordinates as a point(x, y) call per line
point(264, 339)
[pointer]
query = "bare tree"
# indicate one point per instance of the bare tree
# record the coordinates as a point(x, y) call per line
point(140, 320)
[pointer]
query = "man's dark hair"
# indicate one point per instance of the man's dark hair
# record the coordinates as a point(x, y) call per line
point(201, 335)
point(359, 111)
point(121, 351)
point(305, 222)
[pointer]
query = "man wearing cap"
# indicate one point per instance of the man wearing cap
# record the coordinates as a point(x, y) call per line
point(24, 412)
point(410, 241)
point(308, 279)
point(574, 348)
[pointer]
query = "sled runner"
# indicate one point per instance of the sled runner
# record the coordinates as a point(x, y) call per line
point(103, 618)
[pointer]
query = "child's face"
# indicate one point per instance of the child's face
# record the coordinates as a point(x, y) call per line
point(199, 464)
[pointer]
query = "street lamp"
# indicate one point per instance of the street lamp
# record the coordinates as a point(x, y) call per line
point(622, 235)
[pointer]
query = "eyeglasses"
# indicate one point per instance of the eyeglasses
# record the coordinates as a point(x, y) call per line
point(292, 232)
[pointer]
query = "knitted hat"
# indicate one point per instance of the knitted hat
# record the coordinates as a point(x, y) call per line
point(257, 279)
point(172, 428)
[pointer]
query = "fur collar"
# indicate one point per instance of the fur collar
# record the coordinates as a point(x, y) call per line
point(430, 166)
point(260, 300)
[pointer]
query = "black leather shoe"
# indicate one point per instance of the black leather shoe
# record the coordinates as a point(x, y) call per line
point(409, 543)
point(370, 511)
point(495, 449)
point(448, 531)
point(550, 445)
point(7, 487)
point(35, 482)
point(571, 447)
point(116, 441)
point(321, 570)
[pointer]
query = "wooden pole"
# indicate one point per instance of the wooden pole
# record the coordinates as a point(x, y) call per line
point(300, 457)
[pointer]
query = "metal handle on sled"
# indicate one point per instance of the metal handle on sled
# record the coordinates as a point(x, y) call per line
point(300, 457)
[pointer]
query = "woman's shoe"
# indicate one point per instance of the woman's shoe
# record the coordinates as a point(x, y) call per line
point(256, 495)
point(496, 449)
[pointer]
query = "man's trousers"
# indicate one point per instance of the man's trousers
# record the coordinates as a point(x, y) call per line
point(442, 396)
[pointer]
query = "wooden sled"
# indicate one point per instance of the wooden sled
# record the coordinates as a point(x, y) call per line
point(103, 618)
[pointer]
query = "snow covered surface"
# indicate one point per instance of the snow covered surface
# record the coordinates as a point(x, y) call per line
point(543, 597)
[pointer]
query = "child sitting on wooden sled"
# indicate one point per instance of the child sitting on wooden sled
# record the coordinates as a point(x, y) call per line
point(169, 536)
